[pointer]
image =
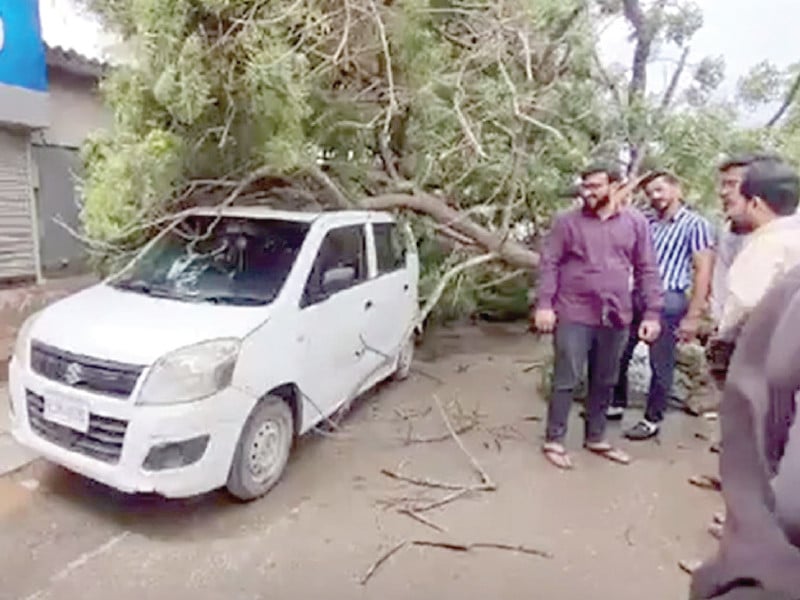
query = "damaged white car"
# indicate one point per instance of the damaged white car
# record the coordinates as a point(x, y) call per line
point(234, 332)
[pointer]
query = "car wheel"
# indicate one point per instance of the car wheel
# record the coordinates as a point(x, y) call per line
point(404, 360)
point(263, 449)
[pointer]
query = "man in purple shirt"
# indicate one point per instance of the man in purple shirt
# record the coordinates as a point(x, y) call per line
point(584, 296)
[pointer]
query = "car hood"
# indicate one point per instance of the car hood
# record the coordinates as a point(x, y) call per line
point(133, 328)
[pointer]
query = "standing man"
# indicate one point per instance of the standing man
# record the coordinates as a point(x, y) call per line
point(684, 246)
point(584, 296)
point(732, 236)
point(759, 552)
point(770, 189)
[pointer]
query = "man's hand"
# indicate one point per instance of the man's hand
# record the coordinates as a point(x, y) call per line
point(687, 330)
point(649, 331)
point(545, 320)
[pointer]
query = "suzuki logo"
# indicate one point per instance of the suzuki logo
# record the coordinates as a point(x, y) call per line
point(73, 374)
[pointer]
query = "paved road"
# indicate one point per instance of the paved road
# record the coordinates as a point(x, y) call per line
point(613, 531)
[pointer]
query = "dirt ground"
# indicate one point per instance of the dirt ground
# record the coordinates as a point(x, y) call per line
point(611, 531)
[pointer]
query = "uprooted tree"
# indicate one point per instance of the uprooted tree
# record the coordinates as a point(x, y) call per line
point(468, 115)
point(471, 116)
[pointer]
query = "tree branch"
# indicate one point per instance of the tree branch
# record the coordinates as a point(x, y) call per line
point(509, 250)
point(669, 94)
point(787, 102)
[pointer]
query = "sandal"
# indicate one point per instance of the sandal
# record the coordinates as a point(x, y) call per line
point(557, 455)
point(607, 451)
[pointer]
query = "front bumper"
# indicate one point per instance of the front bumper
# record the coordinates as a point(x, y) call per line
point(220, 417)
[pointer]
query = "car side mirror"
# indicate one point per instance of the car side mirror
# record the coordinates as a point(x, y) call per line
point(337, 279)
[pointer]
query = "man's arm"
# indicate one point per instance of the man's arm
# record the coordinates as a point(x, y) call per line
point(646, 277)
point(750, 277)
point(701, 244)
point(552, 255)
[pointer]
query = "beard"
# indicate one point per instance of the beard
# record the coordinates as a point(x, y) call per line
point(596, 203)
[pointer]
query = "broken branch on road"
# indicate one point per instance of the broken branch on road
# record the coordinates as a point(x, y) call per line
point(455, 547)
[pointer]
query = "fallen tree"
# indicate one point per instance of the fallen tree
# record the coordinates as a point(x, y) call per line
point(470, 116)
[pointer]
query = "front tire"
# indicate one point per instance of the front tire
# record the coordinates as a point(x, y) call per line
point(263, 450)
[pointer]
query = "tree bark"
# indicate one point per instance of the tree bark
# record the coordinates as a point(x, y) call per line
point(786, 103)
point(674, 81)
point(510, 251)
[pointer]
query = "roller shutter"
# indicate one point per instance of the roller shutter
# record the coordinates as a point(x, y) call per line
point(17, 249)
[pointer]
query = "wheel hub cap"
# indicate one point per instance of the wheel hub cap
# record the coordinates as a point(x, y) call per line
point(264, 452)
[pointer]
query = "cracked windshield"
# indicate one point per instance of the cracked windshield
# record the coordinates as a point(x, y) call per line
point(218, 259)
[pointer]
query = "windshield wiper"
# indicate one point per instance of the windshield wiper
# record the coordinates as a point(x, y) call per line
point(139, 285)
point(234, 300)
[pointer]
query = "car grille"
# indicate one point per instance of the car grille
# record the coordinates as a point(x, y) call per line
point(103, 441)
point(104, 377)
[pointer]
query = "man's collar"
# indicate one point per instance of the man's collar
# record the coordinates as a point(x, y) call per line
point(587, 211)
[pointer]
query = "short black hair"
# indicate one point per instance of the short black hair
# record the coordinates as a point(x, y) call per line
point(744, 160)
point(610, 169)
point(669, 176)
point(776, 183)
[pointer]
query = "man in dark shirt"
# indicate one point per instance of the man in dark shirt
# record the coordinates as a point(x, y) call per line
point(584, 296)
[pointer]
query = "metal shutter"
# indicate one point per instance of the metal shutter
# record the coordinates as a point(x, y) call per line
point(17, 250)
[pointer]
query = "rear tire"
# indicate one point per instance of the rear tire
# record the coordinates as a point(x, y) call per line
point(263, 450)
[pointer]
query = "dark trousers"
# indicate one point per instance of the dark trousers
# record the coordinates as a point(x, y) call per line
point(576, 347)
point(662, 358)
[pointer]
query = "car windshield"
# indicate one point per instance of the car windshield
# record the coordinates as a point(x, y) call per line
point(224, 260)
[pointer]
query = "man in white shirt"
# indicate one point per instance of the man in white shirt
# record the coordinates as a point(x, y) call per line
point(771, 189)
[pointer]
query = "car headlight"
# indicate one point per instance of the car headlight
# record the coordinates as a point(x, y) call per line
point(22, 346)
point(191, 373)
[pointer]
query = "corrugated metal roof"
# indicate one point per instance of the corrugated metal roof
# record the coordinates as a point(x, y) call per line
point(73, 62)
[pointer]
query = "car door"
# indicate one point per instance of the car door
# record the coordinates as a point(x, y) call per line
point(332, 321)
point(393, 292)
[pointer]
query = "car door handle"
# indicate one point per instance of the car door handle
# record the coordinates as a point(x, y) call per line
point(368, 305)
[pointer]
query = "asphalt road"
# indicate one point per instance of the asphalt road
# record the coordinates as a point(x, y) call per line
point(612, 531)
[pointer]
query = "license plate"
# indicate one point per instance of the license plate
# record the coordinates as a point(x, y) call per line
point(69, 413)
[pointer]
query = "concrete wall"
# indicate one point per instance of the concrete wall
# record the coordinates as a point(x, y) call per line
point(60, 251)
point(76, 109)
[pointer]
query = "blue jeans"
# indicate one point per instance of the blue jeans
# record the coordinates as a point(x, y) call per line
point(576, 347)
point(662, 358)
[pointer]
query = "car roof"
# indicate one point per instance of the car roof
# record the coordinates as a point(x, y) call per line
point(265, 212)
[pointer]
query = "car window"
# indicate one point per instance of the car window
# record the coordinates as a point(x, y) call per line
point(343, 247)
point(389, 247)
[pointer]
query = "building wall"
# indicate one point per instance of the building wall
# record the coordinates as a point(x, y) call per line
point(76, 109)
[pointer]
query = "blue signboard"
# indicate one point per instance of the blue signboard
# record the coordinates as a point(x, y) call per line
point(22, 55)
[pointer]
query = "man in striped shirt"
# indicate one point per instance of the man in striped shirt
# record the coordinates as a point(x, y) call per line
point(684, 245)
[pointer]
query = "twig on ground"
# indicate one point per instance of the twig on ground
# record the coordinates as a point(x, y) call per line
point(430, 483)
point(444, 437)
point(382, 559)
point(454, 547)
point(439, 503)
point(410, 513)
point(485, 479)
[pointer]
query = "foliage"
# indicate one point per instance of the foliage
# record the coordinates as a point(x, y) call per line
point(487, 107)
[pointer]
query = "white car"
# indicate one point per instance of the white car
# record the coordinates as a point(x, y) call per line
point(235, 331)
